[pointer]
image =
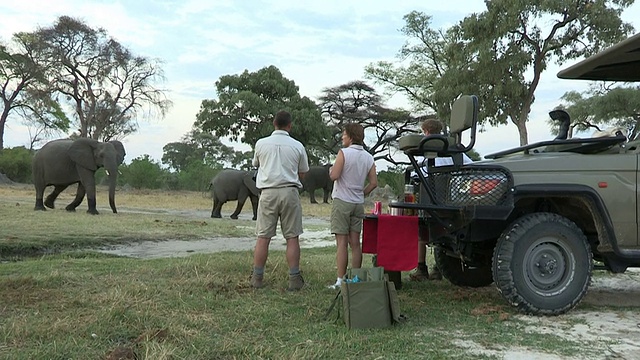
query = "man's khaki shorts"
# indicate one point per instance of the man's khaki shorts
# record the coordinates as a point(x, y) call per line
point(283, 204)
point(346, 217)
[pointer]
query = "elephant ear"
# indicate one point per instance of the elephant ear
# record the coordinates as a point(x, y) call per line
point(250, 183)
point(121, 153)
point(81, 152)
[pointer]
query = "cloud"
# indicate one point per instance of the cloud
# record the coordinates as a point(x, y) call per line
point(316, 44)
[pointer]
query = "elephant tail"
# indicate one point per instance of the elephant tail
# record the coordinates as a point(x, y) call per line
point(206, 193)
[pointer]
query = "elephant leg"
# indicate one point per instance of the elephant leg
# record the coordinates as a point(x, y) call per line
point(254, 206)
point(79, 197)
point(50, 200)
point(217, 207)
point(39, 196)
point(241, 201)
point(325, 198)
point(312, 196)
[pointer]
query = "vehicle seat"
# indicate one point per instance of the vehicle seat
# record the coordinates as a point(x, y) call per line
point(464, 116)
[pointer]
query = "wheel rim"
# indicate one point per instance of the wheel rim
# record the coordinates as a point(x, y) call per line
point(547, 265)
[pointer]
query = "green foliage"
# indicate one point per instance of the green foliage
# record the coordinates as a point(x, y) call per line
point(514, 41)
point(248, 102)
point(394, 177)
point(603, 106)
point(143, 173)
point(15, 163)
point(196, 176)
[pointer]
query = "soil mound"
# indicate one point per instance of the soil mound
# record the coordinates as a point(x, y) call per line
point(5, 180)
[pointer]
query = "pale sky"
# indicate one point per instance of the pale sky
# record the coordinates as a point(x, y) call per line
point(316, 44)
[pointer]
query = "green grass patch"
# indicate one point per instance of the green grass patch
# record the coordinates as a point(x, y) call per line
point(202, 307)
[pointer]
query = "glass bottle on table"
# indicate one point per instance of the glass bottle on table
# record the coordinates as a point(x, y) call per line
point(409, 197)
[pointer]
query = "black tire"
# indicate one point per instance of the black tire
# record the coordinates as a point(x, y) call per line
point(461, 274)
point(542, 264)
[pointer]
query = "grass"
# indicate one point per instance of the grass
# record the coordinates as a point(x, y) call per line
point(80, 304)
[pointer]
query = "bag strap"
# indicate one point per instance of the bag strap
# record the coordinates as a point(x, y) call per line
point(333, 305)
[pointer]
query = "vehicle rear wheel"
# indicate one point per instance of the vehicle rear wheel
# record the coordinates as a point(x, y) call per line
point(542, 264)
point(460, 273)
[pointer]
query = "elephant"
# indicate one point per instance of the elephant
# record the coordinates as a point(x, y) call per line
point(64, 162)
point(318, 178)
point(231, 184)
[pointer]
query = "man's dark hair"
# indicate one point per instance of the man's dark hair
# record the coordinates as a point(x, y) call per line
point(282, 119)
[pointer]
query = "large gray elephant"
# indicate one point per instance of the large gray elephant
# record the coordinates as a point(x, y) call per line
point(65, 162)
point(232, 184)
point(318, 178)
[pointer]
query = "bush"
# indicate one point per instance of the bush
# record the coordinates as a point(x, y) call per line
point(392, 177)
point(196, 176)
point(15, 163)
point(143, 173)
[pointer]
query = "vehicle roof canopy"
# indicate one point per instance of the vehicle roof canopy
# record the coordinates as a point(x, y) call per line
point(621, 62)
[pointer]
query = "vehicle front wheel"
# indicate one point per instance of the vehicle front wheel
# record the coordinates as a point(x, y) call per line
point(460, 273)
point(542, 264)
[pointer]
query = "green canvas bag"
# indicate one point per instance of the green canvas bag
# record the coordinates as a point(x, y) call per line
point(372, 302)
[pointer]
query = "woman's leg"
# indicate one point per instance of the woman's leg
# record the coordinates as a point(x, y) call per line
point(356, 250)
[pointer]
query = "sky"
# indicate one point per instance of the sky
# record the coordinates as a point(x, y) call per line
point(318, 45)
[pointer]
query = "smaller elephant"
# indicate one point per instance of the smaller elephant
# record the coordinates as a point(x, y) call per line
point(318, 178)
point(232, 184)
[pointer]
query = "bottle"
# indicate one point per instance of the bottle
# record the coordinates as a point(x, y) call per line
point(409, 197)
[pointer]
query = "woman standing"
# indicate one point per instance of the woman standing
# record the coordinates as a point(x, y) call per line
point(353, 166)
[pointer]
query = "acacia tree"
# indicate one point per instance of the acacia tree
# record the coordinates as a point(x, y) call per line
point(357, 102)
point(24, 90)
point(514, 41)
point(247, 103)
point(602, 105)
point(107, 87)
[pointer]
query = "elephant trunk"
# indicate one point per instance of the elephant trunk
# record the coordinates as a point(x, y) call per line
point(112, 172)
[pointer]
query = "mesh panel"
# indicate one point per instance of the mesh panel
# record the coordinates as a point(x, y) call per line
point(470, 186)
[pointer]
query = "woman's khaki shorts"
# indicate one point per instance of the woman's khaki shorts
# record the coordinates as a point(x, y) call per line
point(279, 203)
point(346, 217)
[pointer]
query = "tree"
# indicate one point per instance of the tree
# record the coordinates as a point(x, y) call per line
point(514, 42)
point(107, 86)
point(24, 89)
point(358, 102)
point(603, 105)
point(200, 147)
point(433, 67)
point(248, 102)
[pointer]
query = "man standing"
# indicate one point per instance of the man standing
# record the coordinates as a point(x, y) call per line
point(282, 162)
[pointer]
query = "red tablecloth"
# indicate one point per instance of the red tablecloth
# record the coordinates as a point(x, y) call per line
point(394, 239)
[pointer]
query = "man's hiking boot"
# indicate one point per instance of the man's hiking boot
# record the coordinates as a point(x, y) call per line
point(256, 281)
point(296, 282)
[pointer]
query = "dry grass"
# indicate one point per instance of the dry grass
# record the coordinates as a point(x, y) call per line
point(134, 199)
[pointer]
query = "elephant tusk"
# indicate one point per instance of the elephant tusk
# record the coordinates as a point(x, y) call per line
point(119, 172)
point(107, 171)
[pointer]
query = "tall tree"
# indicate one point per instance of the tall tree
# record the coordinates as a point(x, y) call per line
point(358, 102)
point(247, 103)
point(516, 39)
point(107, 86)
point(24, 89)
point(433, 67)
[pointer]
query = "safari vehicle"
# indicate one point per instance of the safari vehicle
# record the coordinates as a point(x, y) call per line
point(533, 219)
